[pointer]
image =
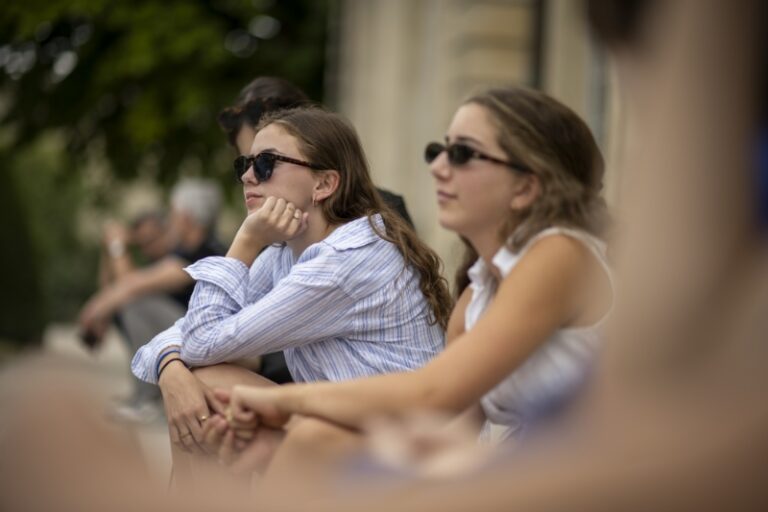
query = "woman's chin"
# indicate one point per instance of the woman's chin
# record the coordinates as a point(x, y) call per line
point(253, 203)
point(447, 222)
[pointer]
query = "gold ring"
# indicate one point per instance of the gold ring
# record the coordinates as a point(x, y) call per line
point(187, 434)
point(203, 418)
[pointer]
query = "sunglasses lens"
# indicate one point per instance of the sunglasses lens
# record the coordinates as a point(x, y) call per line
point(459, 154)
point(263, 165)
point(432, 151)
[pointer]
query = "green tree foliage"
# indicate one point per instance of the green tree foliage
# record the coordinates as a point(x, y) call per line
point(134, 85)
point(21, 317)
point(145, 78)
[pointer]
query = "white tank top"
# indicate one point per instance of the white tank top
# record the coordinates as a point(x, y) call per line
point(555, 369)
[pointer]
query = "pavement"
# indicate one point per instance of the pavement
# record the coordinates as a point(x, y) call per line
point(110, 366)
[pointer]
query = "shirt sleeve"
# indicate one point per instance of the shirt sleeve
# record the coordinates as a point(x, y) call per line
point(257, 283)
point(305, 306)
point(144, 363)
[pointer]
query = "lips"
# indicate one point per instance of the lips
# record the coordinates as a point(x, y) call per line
point(445, 196)
point(252, 200)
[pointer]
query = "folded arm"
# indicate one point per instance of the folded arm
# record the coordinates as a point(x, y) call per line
point(221, 326)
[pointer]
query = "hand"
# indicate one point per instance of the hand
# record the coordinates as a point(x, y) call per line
point(239, 454)
point(94, 335)
point(247, 403)
point(188, 403)
point(276, 221)
point(214, 430)
point(216, 427)
point(95, 314)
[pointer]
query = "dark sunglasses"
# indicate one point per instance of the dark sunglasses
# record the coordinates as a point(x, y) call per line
point(460, 154)
point(264, 164)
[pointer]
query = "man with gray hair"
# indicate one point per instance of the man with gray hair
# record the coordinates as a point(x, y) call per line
point(198, 199)
point(148, 300)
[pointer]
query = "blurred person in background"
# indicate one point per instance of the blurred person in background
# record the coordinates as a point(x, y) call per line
point(148, 233)
point(147, 300)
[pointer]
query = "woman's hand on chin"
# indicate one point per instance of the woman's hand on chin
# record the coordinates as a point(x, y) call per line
point(276, 221)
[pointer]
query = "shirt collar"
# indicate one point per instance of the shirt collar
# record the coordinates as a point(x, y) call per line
point(479, 273)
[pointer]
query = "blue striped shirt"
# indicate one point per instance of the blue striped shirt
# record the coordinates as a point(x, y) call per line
point(346, 308)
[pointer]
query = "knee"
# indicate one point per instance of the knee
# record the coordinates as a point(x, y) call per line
point(214, 375)
point(226, 375)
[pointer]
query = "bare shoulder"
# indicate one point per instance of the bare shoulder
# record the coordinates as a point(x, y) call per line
point(553, 273)
point(559, 253)
point(562, 269)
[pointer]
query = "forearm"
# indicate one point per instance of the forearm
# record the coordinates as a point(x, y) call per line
point(212, 333)
point(245, 248)
point(122, 266)
point(212, 329)
point(120, 291)
point(222, 324)
point(105, 270)
point(165, 276)
point(116, 295)
point(215, 335)
point(352, 403)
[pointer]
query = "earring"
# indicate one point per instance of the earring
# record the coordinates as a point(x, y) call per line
point(314, 201)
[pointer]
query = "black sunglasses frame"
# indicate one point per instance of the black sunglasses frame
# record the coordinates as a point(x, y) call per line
point(459, 154)
point(264, 165)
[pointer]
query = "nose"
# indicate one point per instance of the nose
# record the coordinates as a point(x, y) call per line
point(440, 167)
point(249, 176)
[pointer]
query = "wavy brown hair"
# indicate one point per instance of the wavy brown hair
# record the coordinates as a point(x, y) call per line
point(557, 146)
point(330, 141)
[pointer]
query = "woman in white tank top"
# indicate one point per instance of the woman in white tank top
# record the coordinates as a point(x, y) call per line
point(555, 370)
point(519, 178)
